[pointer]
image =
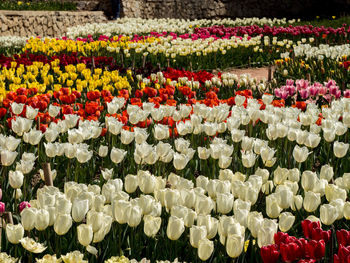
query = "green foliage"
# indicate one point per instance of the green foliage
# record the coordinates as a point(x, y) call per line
point(331, 21)
point(38, 6)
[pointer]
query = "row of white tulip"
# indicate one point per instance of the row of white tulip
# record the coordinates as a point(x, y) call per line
point(131, 26)
point(319, 52)
point(200, 47)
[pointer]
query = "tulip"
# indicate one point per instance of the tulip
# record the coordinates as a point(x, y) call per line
point(17, 108)
point(54, 110)
point(175, 228)
point(120, 210)
point(16, 179)
point(328, 214)
point(297, 202)
point(234, 245)
point(334, 192)
point(79, 209)
point(224, 203)
point(339, 205)
point(300, 154)
point(311, 201)
point(151, 225)
point(105, 228)
point(254, 222)
point(204, 205)
point(273, 210)
point(28, 218)
point(85, 234)
point(316, 249)
point(284, 196)
point(83, 155)
point(347, 210)
point(286, 221)
point(205, 249)
point(33, 137)
point(247, 143)
point(95, 220)
point(197, 233)
point(32, 246)
point(265, 236)
point(210, 223)
point(103, 151)
point(21, 125)
point(14, 233)
point(180, 161)
point(117, 155)
point(248, 159)
point(134, 215)
point(308, 180)
point(11, 143)
point(340, 149)
point(42, 219)
point(270, 253)
point(126, 137)
point(146, 182)
point(131, 183)
point(8, 157)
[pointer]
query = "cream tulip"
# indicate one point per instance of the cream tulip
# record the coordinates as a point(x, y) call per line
point(311, 201)
point(175, 228)
point(85, 234)
point(328, 214)
point(300, 154)
point(16, 179)
point(151, 225)
point(205, 249)
point(340, 149)
point(197, 233)
point(28, 218)
point(42, 219)
point(14, 233)
point(285, 221)
point(234, 245)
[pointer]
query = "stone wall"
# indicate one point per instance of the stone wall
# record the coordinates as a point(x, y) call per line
point(197, 9)
point(44, 23)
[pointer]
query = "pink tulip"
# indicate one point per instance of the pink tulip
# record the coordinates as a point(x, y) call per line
point(23, 205)
point(2, 207)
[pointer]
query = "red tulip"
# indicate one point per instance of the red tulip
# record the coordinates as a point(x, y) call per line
point(307, 227)
point(343, 237)
point(270, 253)
point(316, 249)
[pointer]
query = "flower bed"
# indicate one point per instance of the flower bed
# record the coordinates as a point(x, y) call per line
point(102, 157)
